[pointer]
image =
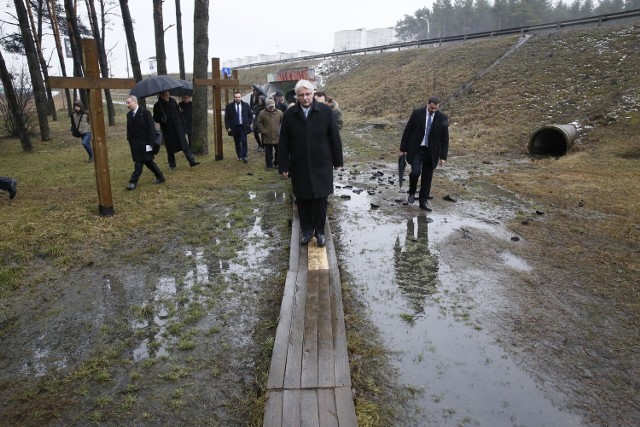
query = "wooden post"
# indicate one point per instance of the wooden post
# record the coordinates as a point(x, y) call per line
point(94, 83)
point(218, 85)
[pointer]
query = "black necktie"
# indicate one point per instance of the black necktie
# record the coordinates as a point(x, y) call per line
point(426, 134)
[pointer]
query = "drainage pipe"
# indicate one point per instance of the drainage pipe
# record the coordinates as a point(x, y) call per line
point(552, 140)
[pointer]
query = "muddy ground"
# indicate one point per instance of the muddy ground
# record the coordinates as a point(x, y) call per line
point(184, 337)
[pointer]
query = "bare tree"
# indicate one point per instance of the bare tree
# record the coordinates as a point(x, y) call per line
point(102, 58)
point(37, 37)
point(73, 30)
point(37, 84)
point(200, 63)
point(183, 74)
point(158, 27)
point(127, 22)
point(52, 9)
point(16, 113)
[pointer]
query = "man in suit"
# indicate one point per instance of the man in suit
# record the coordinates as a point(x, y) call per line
point(141, 134)
point(309, 149)
point(237, 121)
point(425, 141)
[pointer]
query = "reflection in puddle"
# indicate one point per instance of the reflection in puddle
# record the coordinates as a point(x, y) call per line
point(425, 311)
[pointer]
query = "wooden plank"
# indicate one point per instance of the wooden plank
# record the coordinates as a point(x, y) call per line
point(291, 408)
point(327, 413)
point(309, 408)
point(281, 344)
point(343, 376)
point(273, 409)
point(345, 408)
point(332, 257)
point(90, 83)
point(326, 371)
point(309, 375)
point(296, 330)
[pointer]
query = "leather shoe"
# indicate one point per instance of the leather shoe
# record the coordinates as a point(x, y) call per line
point(305, 240)
point(412, 198)
point(423, 205)
point(12, 188)
point(194, 163)
point(321, 240)
point(160, 180)
point(131, 186)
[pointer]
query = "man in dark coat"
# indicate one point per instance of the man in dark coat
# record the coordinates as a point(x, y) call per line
point(141, 134)
point(425, 141)
point(237, 120)
point(309, 149)
point(186, 108)
point(167, 113)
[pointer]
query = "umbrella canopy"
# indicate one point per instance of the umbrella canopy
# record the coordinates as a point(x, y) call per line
point(402, 163)
point(186, 89)
point(154, 85)
point(259, 90)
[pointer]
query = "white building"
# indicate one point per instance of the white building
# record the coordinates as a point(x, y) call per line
point(360, 38)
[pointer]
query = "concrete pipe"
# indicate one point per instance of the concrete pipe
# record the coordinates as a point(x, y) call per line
point(552, 140)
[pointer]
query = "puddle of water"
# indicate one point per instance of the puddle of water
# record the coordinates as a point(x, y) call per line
point(425, 311)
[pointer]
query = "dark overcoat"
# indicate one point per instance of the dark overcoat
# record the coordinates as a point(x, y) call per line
point(438, 135)
point(309, 149)
point(141, 131)
point(171, 123)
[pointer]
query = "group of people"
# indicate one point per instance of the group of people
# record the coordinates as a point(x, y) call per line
point(302, 140)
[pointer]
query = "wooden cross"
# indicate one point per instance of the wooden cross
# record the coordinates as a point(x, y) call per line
point(96, 114)
point(218, 85)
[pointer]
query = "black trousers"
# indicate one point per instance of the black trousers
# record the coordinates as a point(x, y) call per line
point(313, 215)
point(421, 166)
point(137, 170)
point(5, 183)
point(269, 158)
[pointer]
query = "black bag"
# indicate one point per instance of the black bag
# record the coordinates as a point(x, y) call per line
point(74, 130)
point(157, 142)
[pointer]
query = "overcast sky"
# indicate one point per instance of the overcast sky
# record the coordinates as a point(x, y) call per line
point(246, 28)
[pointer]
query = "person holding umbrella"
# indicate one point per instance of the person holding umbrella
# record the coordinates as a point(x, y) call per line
point(172, 124)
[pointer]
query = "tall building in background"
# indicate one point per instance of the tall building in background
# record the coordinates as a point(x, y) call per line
point(361, 38)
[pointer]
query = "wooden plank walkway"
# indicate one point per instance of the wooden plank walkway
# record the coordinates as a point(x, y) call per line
point(309, 380)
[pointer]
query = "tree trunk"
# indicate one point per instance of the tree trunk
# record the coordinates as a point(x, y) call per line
point(200, 63)
point(37, 37)
point(127, 22)
point(158, 27)
point(53, 16)
point(37, 85)
point(12, 102)
point(102, 58)
point(76, 49)
point(183, 74)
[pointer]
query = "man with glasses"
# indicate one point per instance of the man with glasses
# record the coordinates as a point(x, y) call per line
point(309, 149)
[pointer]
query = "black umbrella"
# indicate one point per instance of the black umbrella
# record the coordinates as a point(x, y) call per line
point(186, 89)
point(260, 90)
point(154, 85)
point(402, 163)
